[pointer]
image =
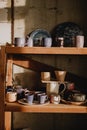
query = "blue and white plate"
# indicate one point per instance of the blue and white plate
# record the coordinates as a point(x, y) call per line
point(38, 36)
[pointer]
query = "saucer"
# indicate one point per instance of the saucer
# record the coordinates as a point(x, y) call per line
point(24, 102)
point(73, 102)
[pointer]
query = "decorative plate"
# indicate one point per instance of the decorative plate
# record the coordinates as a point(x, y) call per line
point(38, 36)
point(73, 103)
point(24, 102)
point(67, 30)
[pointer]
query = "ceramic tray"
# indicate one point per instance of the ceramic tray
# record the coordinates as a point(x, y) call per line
point(24, 102)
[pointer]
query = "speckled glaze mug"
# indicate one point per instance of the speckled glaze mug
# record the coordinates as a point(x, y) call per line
point(80, 41)
point(45, 76)
point(19, 41)
point(11, 96)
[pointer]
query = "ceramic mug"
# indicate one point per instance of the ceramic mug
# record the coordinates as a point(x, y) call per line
point(48, 42)
point(80, 41)
point(30, 98)
point(42, 98)
point(54, 88)
point(29, 42)
point(60, 75)
point(11, 96)
point(19, 41)
point(45, 76)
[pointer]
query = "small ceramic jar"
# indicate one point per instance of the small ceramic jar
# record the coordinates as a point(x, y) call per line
point(55, 98)
point(79, 97)
point(11, 96)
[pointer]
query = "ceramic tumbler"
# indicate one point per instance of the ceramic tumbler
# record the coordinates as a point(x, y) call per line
point(80, 41)
point(45, 76)
point(48, 42)
point(19, 41)
point(11, 96)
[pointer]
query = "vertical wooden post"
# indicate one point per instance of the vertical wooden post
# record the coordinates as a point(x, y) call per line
point(5, 117)
point(12, 21)
point(7, 120)
point(8, 83)
point(2, 87)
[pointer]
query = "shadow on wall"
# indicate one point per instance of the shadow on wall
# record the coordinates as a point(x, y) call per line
point(30, 80)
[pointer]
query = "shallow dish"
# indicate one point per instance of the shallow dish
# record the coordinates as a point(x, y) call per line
point(73, 103)
point(24, 102)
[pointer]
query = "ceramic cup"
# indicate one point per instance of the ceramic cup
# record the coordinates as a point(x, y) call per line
point(80, 41)
point(19, 41)
point(29, 42)
point(42, 97)
point(60, 75)
point(55, 88)
point(30, 98)
point(45, 76)
point(55, 98)
point(11, 96)
point(48, 42)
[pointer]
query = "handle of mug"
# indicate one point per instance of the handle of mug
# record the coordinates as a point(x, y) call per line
point(64, 87)
point(46, 97)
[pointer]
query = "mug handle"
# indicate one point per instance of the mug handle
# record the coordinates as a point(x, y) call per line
point(64, 87)
point(46, 98)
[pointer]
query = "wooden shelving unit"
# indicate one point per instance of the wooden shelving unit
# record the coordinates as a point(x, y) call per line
point(6, 55)
point(47, 50)
point(49, 108)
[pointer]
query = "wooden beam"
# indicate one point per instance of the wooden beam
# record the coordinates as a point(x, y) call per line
point(7, 120)
point(33, 65)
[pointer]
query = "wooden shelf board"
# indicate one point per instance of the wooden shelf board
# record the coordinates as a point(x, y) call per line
point(48, 108)
point(47, 50)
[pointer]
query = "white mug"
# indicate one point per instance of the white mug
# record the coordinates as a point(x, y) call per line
point(19, 41)
point(48, 42)
point(30, 42)
point(80, 41)
point(53, 88)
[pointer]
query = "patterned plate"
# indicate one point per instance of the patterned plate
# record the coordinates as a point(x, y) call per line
point(38, 36)
point(67, 30)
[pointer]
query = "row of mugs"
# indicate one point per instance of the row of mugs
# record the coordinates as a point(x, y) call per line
point(30, 97)
point(21, 42)
point(47, 42)
point(77, 41)
point(60, 75)
point(39, 97)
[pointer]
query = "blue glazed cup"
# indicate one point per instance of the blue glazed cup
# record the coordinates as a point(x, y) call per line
point(30, 98)
point(42, 98)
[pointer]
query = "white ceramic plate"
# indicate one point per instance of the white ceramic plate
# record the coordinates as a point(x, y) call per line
point(24, 102)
